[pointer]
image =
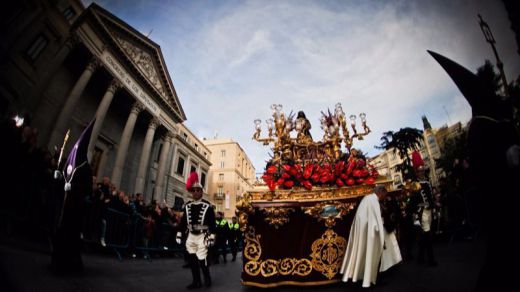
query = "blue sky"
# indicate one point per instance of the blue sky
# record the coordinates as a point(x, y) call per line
point(230, 60)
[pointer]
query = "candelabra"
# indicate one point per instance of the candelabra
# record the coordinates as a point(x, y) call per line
point(302, 147)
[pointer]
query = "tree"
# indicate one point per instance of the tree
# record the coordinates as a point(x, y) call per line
point(454, 150)
point(402, 141)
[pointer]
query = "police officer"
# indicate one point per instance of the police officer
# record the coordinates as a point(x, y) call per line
point(198, 221)
point(234, 237)
point(222, 237)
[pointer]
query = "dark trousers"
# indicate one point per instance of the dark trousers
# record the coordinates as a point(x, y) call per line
point(233, 245)
point(195, 264)
point(426, 246)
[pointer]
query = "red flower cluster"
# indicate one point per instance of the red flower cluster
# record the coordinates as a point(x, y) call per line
point(354, 172)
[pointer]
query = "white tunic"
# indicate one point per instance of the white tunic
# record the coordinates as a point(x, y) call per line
point(365, 243)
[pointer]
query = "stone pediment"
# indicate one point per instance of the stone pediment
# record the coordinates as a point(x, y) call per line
point(142, 60)
point(144, 54)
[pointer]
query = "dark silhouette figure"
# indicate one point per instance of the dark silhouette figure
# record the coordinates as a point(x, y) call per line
point(493, 146)
point(76, 181)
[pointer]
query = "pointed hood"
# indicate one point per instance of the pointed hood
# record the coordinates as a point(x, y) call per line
point(482, 99)
point(78, 154)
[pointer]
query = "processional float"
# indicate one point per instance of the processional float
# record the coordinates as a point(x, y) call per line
point(296, 227)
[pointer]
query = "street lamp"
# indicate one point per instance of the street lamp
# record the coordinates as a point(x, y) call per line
point(491, 40)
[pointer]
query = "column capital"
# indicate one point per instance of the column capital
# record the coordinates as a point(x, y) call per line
point(154, 123)
point(115, 84)
point(72, 41)
point(167, 137)
point(137, 107)
point(94, 64)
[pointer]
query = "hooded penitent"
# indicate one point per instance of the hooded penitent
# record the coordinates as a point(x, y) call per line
point(77, 156)
point(77, 175)
point(492, 136)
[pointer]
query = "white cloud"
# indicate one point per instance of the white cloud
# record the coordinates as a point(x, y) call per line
point(230, 61)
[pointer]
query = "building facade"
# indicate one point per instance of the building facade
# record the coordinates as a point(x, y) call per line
point(64, 64)
point(431, 147)
point(230, 175)
point(190, 154)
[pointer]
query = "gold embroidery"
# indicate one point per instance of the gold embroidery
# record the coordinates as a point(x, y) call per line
point(271, 267)
point(327, 253)
point(277, 216)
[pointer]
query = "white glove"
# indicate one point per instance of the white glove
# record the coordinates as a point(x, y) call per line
point(178, 238)
point(417, 223)
point(227, 242)
point(57, 174)
point(211, 240)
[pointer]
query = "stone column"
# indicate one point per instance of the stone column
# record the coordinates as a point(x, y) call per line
point(124, 143)
point(145, 156)
point(102, 111)
point(35, 97)
point(159, 181)
point(64, 117)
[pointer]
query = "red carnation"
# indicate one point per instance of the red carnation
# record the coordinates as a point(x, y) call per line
point(370, 181)
point(272, 169)
point(289, 183)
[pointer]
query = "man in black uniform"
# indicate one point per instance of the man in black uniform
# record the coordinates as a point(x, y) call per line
point(198, 221)
point(421, 204)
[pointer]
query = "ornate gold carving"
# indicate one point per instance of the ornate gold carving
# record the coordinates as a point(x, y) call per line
point(244, 208)
point(327, 253)
point(329, 211)
point(303, 149)
point(277, 216)
point(271, 267)
point(316, 194)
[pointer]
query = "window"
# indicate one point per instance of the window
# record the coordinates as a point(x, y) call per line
point(37, 47)
point(223, 153)
point(193, 167)
point(185, 136)
point(220, 190)
point(203, 179)
point(196, 146)
point(69, 13)
point(205, 155)
point(222, 164)
point(431, 140)
point(180, 166)
point(220, 177)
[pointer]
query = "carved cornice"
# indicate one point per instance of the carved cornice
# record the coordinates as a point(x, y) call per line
point(110, 26)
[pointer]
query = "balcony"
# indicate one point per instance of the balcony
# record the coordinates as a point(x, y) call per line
point(219, 197)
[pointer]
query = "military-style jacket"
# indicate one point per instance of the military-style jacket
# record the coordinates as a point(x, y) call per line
point(198, 217)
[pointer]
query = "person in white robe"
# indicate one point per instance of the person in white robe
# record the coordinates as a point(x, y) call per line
point(366, 244)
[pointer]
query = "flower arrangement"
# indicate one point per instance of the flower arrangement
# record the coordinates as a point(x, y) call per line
point(353, 171)
point(301, 162)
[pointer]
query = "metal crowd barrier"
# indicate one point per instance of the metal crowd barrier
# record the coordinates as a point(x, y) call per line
point(125, 233)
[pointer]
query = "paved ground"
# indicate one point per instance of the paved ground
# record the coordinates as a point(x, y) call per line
point(25, 268)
